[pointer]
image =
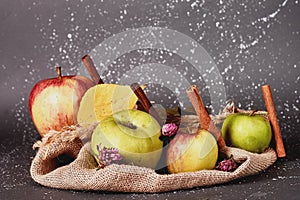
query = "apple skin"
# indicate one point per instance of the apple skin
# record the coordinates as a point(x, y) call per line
point(136, 135)
point(252, 133)
point(54, 103)
point(192, 152)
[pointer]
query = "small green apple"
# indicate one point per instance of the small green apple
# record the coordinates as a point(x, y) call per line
point(134, 133)
point(192, 152)
point(250, 132)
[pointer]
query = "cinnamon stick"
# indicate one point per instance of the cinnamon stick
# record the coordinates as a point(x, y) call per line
point(267, 93)
point(89, 65)
point(204, 118)
point(145, 103)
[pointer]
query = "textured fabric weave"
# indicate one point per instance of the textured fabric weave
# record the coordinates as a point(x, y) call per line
point(82, 172)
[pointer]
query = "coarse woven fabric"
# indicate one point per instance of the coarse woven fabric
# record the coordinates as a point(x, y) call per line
point(82, 173)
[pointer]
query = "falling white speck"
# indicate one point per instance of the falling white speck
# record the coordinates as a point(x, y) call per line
point(194, 4)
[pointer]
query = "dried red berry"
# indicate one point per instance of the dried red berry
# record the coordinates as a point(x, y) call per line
point(169, 129)
point(227, 165)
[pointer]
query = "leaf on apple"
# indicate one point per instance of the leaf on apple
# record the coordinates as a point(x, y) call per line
point(103, 100)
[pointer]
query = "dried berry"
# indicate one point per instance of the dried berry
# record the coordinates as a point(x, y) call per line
point(169, 129)
point(227, 165)
point(107, 155)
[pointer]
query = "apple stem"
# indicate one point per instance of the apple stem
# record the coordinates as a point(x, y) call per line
point(58, 70)
point(90, 66)
point(204, 118)
point(252, 112)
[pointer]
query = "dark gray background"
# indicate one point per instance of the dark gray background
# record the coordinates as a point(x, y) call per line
point(252, 43)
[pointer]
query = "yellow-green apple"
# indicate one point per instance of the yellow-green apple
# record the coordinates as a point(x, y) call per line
point(250, 132)
point(192, 152)
point(53, 103)
point(134, 133)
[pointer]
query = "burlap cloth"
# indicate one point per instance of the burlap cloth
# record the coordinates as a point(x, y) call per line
point(82, 172)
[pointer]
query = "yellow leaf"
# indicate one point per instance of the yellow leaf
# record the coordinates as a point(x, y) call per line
point(103, 100)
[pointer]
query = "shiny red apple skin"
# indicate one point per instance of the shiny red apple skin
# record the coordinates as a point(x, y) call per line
point(54, 103)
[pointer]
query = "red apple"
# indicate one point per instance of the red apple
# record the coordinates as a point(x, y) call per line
point(53, 103)
point(192, 152)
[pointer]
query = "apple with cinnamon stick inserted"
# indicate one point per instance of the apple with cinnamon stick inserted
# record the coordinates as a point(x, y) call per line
point(54, 103)
point(189, 152)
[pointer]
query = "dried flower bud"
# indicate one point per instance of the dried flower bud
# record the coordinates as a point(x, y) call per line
point(169, 129)
point(107, 155)
point(227, 165)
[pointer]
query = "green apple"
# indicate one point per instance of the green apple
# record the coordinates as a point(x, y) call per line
point(134, 133)
point(250, 132)
point(192, 152)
